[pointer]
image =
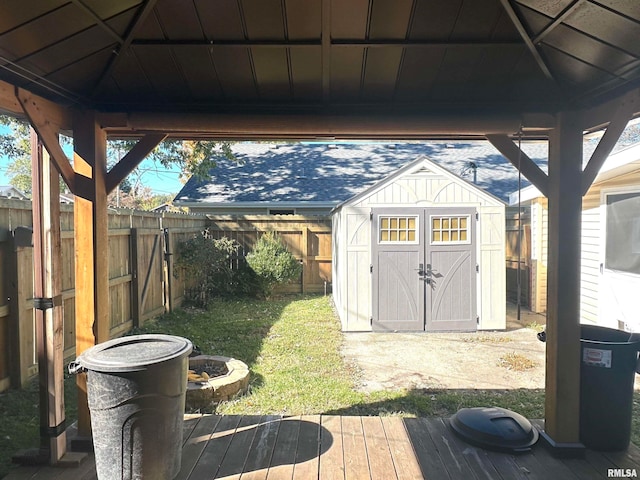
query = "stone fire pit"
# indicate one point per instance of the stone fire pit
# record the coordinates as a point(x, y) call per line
point(227, 377)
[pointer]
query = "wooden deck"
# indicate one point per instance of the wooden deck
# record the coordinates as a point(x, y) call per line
point(334, 447)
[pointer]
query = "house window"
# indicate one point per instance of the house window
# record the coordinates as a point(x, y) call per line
point(450, 229)
point(398, 229)
point(622, 244)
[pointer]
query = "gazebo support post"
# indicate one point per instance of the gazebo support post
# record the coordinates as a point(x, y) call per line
point(562, 399)
point(91, 247)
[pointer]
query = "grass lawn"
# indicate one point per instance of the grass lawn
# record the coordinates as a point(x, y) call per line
point(292, 347)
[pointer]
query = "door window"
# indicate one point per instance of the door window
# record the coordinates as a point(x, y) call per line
point(622, 251)
point(447, 229)
point(397, 229)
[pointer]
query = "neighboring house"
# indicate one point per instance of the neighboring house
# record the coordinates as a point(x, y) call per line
point(421, 250)
point(9, 191)
point(311, 178)
point(610, 263)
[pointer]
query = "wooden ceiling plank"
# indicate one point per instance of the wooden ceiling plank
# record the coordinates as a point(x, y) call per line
point(326, 51)
point(525, 37)
point(132, 159)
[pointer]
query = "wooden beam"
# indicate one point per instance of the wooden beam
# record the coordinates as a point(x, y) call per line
point(260, 125)
point(562, 388)
point(132, 159)
point(521, 161)
point(8, 101)
point(142, 14)
point(58, 116)
point(506, 4)
point(101, 23)
point(569, 9)
point(49, 316)
point(39, 113)
point(91, 241)
point(619, 122)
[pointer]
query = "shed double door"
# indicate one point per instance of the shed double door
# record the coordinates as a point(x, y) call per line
point(424, 269)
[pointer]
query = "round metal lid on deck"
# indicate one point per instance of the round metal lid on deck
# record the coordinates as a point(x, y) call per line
point(133, 353)
point(494, 428)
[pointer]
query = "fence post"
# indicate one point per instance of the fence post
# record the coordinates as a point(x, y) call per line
point(168, 263)
point(12, 271)
point(136, 301)
point(305, 256)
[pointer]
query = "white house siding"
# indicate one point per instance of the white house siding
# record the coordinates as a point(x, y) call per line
point(590, 260)
point(539, 245)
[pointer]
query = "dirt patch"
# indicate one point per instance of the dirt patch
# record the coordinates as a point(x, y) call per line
point(450, 360)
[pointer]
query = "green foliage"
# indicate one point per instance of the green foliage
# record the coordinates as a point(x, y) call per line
point(208, 264)
point(15, 145)
point(272, 262)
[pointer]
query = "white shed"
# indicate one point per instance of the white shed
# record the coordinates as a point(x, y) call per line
point(421, 250)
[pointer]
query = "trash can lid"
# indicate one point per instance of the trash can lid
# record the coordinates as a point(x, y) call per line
point(133, 353)
point(494, 428)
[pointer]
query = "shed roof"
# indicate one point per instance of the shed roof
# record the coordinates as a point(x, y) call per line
point(331, 173)
point(417, 166)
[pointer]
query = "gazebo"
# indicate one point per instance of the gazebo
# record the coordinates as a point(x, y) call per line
point(503, 70)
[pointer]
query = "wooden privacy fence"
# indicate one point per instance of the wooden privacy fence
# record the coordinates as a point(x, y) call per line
point(142, 284)
point(139, 286)
point(307, 238)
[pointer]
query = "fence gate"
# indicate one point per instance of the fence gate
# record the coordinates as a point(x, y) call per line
point(148, 274)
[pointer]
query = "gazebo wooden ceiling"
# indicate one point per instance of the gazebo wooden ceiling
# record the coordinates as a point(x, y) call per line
point(251, 69)
point(397, 59)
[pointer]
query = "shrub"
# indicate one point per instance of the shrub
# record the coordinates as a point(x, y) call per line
point(208, 264)
point(272, 262)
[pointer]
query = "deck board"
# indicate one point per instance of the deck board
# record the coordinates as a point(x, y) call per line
point(356, 463)
point(216, 448)
point(380, 461)
point(332, 447)
point(264, 442)
point(402, 452)
point(233, 462)
point(284, 454)
point(196, 439)
point(332, 456)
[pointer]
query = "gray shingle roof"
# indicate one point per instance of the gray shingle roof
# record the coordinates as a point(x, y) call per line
point(334, 172)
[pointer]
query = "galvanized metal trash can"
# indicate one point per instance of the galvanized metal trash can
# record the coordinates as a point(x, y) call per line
point(136, 392)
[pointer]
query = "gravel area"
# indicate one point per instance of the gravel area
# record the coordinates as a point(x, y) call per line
point(508, 359)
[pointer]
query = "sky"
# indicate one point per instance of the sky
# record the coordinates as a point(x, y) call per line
point(160, 179)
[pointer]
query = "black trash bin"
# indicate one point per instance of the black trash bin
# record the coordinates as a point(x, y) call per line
point(608, 365)
point(136, 391)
